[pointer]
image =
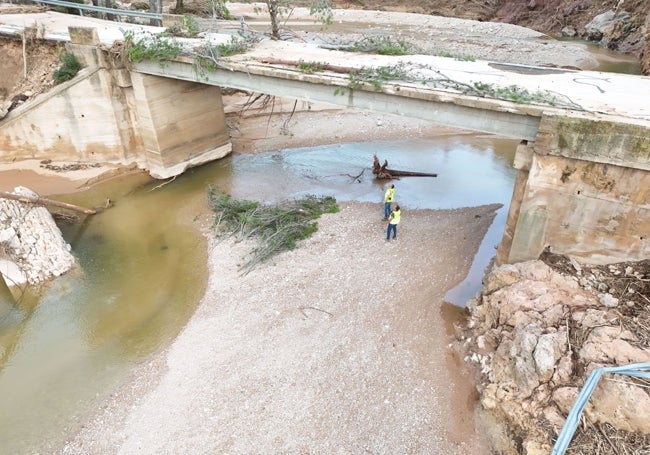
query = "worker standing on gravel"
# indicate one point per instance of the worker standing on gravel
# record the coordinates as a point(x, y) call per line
point(393, 221)
point(389, 197)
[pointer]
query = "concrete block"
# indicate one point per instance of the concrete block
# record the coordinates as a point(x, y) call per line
point(173, 19)
point(84, 35)
point(523, 156)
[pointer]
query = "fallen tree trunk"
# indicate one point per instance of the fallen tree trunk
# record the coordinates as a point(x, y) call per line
point(382, 171)
point(44, 201)
point(395, 173)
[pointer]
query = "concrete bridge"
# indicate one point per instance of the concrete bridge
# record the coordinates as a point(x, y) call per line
point(583, 186)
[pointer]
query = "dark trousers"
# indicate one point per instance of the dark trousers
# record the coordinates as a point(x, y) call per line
point(386, 209)
point(393, 228)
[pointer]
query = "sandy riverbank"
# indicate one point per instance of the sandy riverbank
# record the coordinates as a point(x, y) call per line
point(337, 346)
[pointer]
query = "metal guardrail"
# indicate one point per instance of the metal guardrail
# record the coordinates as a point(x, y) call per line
point(638, 370)
point(101, 9)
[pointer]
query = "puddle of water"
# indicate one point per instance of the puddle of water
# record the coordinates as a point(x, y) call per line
point(609, 61)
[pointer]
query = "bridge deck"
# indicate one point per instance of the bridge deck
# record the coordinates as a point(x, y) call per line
point(443, 90)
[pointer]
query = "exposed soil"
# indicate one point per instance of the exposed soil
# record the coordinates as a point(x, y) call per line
point(24, 78)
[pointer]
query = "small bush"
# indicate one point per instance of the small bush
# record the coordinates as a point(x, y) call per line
point(155, 48)
point(189, 29)
point(69, 68)
point(383, 45)
point(235, 46)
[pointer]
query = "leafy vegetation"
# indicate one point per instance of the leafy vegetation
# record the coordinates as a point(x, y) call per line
point(234, 46)
point(188, 29)
point(279, 9)
point(515, 93)
point(153, 47)
point(310, 67)
point(207, 58)
point(276, 227)
point(383, 45)
point(69, 68)
point(375, 77)
point(460, 57)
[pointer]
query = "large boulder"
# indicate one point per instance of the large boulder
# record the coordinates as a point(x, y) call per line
point(606, 27)
point(32, 248)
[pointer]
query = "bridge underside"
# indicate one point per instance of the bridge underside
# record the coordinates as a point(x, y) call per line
point(448, 109)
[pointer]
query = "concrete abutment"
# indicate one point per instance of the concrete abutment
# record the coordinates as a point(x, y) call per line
point(583, 189)
point(108, 114)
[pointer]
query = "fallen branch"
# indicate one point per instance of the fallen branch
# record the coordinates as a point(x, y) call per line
point(163, 184)
point(382, 172)
point(356, 178)
point(44, 201)
point(303, 308)
point(321, 66)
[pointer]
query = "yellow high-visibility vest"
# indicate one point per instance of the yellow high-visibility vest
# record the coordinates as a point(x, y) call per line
point(395, 216)
point(390, 195)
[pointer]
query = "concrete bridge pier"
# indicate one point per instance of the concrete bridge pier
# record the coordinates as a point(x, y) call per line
point(182, 124)
point(175, 124)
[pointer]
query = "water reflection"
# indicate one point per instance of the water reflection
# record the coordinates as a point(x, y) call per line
point(143, 265)
point(610, 61)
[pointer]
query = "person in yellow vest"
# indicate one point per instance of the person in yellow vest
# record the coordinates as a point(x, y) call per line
point(393, 221)
point(389, 197)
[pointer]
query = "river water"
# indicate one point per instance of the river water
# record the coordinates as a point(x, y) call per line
point(143, 264)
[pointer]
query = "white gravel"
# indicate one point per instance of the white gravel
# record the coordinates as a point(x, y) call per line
point(335, 347)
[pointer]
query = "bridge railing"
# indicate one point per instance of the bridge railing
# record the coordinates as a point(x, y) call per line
point(101, 9)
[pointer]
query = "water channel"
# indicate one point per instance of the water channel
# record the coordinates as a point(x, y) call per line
point(143, 265)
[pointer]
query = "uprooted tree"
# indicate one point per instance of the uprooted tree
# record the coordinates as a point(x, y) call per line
point(381, 171)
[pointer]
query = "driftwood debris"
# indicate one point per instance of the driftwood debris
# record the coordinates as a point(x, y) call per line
point(44, 201)
point(382, 171)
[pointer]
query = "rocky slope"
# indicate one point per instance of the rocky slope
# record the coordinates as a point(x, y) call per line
point(539, 328)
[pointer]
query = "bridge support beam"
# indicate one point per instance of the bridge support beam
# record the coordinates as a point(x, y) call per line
point(182, 123)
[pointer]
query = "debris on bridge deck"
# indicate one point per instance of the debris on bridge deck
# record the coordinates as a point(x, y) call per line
point(382, 171)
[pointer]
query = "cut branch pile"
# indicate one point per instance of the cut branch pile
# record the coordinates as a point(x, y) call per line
point(277, 228)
